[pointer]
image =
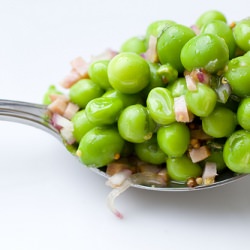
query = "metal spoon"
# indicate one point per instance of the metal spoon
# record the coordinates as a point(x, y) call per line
point(36, 115)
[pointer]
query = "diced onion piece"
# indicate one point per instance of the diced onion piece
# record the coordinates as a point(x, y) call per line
point(195, 29)
point(80, 66)
point(119, 165)
point(200, 75)
point(180, 109)
point(70, 110)
point(53, 97)
point(151, 53)
point(60, 122)
point(65, 127)
point(67, 135)
point(58, 106)
point(108, 54)
point(117, 179)
point(191, 83)
point(209, 173)
point(199, 154)
point(70, 79)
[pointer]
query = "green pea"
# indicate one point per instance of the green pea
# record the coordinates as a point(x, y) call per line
point(51, 90)
point(160, 104)
point(173, 139)
point(149, 151)
point(135, 124)
point(84, 91)
point(167, 73)
point(207, 51)
point(221, 29)
point(98, 73)
point(202, 101)
point(217, 158)
point(104, 110)
point(127, 99)
point(242, 34)
point(220, 123)
point(81, 125)
point(210, 16)
point(155, 79)
point(134, 44)
point(128, 72)
point(170, 44)
point(182, 168)
point(238, 75)
point(100, 146)
point(178, 87)
point(236, 152)
point(156, 28)
point(243, 113)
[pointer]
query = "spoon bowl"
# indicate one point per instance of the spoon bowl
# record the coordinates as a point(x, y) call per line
point(37, 115)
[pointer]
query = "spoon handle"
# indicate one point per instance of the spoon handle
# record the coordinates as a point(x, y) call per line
point(35, 115)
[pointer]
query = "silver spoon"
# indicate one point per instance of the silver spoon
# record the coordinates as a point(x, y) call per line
point(36, 115)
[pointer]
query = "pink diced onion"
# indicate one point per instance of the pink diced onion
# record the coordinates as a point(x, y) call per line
point(180, 109)
point(199, 154)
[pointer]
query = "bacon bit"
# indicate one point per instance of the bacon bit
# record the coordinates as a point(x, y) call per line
point(58, 106)
point(209, 173)
point(108, 54)
point(80, 66)
point(151, 53)
point(70, 79)
point(199, 154)
point(180, 109)
point(70, 110)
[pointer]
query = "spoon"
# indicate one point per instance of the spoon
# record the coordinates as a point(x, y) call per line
point(36, 115)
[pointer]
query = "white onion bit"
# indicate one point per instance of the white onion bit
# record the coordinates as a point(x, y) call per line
point(117, 179)
point(199, 154)
point(180, 109)
point(209, 173)
point(191, 84)
point(151, 53)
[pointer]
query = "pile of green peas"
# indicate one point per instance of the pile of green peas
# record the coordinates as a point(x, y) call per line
point(127, 102)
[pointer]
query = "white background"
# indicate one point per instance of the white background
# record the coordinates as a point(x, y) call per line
point(48, 200)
